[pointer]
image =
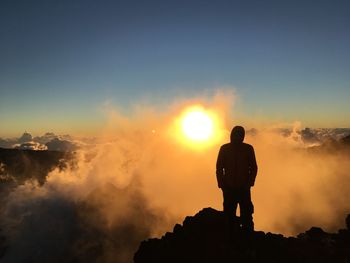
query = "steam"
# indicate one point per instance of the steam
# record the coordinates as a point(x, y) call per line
point(299, 187)
point(138, 180)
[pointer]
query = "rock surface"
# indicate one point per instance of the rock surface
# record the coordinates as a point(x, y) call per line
point(2, 244)
point(205, 238)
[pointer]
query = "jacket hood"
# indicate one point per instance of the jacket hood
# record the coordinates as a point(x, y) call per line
point(237, 134)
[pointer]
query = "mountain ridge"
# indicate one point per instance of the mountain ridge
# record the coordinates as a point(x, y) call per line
point(204, 238)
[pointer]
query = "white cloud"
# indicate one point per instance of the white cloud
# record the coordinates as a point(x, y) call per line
point(30, 146)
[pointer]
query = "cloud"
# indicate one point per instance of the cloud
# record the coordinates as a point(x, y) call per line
point(134, 182)
point(49, 141)
point(26, 137)
point(46, 226)
point(322, 135)
point(49, 136)
point(7, 143)
point(61, 145)
point(30, 145)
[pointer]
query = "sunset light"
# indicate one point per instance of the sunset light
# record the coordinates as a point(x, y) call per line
point(197, 125)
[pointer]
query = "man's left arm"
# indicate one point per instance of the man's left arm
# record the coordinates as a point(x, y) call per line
point(220, 168)
point(253, 167)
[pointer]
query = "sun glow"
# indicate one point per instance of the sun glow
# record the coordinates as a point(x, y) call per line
point(198, 127)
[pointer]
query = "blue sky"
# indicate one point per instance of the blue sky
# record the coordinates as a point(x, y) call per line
point(61, 60)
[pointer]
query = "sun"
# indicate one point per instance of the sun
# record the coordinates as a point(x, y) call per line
point(197, 125)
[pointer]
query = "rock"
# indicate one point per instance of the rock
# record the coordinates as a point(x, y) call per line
point(315, 234)
point(208, 237)
point(2, 244)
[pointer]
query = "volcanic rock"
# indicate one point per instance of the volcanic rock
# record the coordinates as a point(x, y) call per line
point(209, 237)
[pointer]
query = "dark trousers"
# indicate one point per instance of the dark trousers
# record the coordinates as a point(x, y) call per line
point(241, 196)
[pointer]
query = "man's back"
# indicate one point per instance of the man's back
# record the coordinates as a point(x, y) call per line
point(236, 165)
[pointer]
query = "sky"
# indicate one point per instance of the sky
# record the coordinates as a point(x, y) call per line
point(62, 61)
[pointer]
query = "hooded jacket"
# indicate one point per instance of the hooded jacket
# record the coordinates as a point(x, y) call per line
point(236, 164)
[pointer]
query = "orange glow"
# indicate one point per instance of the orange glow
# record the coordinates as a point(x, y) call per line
point(198, 127)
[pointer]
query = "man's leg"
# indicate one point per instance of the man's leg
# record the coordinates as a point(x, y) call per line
point(230, 207)
point(230, 203)
point(246, 209)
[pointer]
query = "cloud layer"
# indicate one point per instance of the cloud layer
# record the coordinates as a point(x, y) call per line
point(49, 141)
point(138, 179)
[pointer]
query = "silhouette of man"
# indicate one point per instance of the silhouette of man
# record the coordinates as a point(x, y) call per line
point(236, 170)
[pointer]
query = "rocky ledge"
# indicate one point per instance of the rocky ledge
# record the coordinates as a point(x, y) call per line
point(205, 238)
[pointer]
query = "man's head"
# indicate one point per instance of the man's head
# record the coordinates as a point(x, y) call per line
point(237, 134)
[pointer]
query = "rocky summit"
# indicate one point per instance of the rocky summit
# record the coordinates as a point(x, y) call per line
point(209, 237)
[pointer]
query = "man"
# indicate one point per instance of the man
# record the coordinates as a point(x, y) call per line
point(236, 170)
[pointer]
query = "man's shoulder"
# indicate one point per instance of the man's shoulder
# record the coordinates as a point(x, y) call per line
point(247, 145)
point(225, 146)
point(230, 146)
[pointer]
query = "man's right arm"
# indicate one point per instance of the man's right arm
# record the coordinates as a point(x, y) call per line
point(220, 168)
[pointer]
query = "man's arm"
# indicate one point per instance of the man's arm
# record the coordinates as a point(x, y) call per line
point(220, 168)
point(253, 167)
